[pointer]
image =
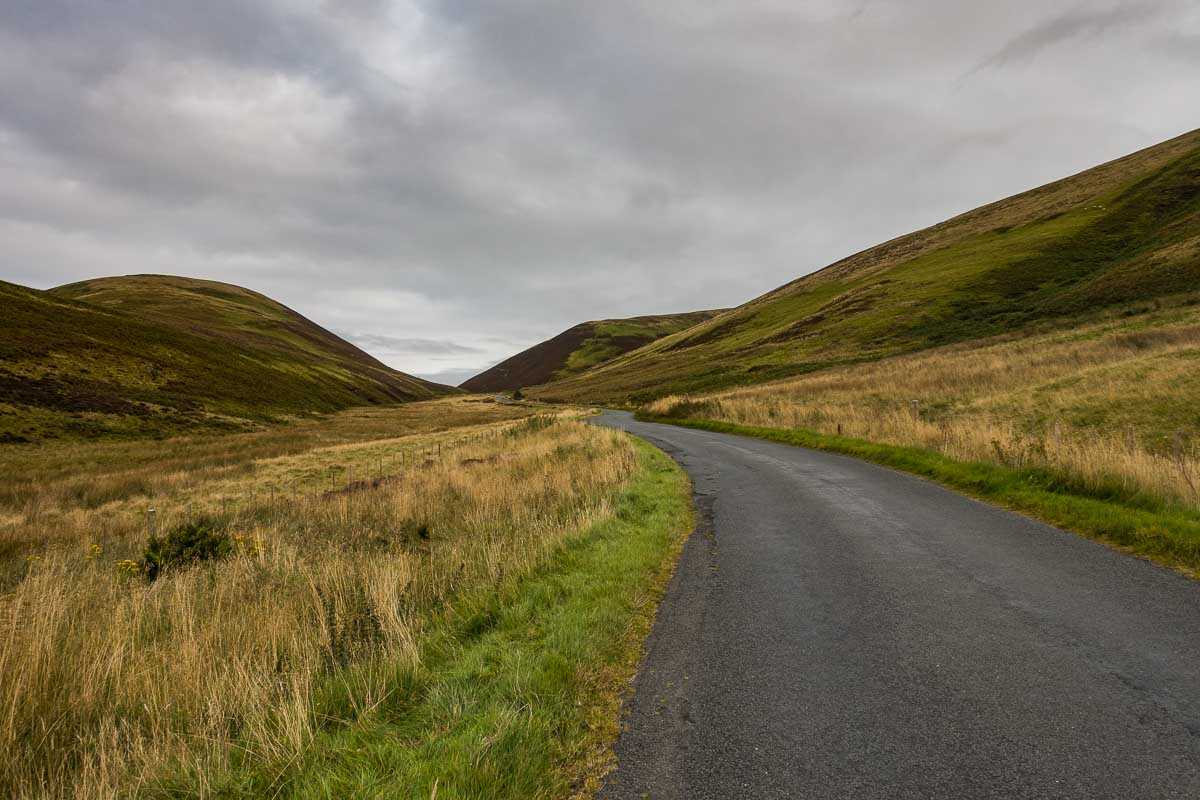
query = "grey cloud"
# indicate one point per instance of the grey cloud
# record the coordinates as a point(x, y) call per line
point(1080, 22)
point(396, 344)
point(453, 377)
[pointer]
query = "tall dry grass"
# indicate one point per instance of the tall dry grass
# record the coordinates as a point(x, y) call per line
point(107, 681)
point(56, 494)
point(1115, 405)
point(88, 475)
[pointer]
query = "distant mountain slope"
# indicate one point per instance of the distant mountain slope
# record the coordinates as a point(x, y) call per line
point(579, 349)
point(1124, 232)
point(150, 354)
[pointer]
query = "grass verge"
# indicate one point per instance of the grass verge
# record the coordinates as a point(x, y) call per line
point(1138, 524)
point(517, 690)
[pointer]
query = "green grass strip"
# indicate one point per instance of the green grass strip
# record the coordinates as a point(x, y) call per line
point(1136, 524)
point(518, 693)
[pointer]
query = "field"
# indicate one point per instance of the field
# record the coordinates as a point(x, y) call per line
point(1108, 410)
point(355, 568)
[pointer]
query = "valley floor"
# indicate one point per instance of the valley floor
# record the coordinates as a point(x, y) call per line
point(457, 589)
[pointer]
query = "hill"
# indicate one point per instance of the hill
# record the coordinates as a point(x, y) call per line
point(580, 348)
point(1121, 233)
point(156, 355)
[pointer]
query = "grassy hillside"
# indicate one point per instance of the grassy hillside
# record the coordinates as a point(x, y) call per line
point(152, 355)
point(580, 348)
point(1120, 234)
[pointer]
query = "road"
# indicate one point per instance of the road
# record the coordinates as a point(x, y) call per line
point(836, 629)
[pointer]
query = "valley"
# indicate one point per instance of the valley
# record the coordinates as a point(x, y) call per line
point(241, 557)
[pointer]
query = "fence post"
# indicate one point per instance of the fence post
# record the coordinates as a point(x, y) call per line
point(151, 527)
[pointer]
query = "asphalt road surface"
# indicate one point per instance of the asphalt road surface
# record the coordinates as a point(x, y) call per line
point(839, 630)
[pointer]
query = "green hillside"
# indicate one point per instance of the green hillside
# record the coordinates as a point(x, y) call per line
point(1119, 234)
point(580, 348)
point(155, 355)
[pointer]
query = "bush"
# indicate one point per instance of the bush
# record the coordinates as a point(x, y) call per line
point(518, 394)
point(531, 425)
point(191, 543)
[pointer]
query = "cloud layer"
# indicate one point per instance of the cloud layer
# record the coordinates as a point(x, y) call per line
point(450, 182)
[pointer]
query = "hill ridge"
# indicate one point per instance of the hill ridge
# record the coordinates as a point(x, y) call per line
point(579, 348)
point(157, 355)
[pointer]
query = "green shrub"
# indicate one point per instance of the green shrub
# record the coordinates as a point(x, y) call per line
point(199, 540)
point(532, 425)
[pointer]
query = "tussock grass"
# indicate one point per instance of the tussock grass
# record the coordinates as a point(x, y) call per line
point(518, 689)
point(110, 682)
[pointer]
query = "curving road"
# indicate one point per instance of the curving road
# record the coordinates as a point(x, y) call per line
point(839, 630)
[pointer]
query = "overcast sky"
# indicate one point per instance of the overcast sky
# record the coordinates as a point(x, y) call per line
point(448, 183)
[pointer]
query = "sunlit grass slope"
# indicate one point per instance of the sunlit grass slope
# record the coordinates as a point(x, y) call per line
point(153, 354)
point(579, 349)
point(1120, 234)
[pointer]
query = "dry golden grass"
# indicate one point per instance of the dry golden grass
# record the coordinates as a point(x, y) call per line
point(107, 681)
point(1115, 402)
point(69, 491)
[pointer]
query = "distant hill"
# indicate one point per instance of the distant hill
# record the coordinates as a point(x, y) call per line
point(579, 348)
point(1121, 233)
point(155, 355)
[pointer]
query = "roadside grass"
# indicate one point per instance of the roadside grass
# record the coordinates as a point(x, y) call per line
point(316, 608)
point(1112, 408)
point(516, 693)
point(1165, 532)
